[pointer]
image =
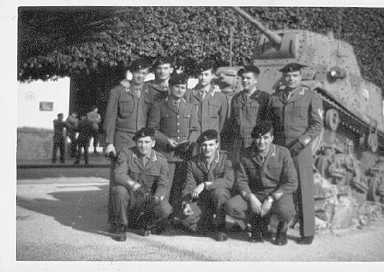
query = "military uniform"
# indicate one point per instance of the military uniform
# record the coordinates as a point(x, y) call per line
point(211, 107)
point(58, 139)
point(72, 123)
point(245, 112)
point(275, 174)
point(85, 128)
point(297, 120)
point(212, 199)
point(175, 119)
point(157, 92)
point(129, 206)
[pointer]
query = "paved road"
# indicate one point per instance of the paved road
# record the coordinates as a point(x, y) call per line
point(65, 219)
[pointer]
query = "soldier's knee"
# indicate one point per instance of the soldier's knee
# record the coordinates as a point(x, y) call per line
point(119, 192)
point(285, 209)
point(220, 194)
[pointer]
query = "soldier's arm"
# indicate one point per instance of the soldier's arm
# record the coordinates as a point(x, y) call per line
point(190, 182)
point(194, 126)
point(154, 119)
point(288, 179)
point(111, 116)
point(315, 120)
point(242, 182)
point(163, 181)
point(223, 112)
point(226, 181)
point(121, 170)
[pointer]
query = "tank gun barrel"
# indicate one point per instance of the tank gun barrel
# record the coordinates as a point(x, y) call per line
point(272, 36)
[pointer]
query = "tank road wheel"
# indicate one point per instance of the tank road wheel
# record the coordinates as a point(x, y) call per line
point(372, 142)
point(332, 119)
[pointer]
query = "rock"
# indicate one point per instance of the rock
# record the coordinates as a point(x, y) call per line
point(345, 212)
point(323, 188)
point(320, 224)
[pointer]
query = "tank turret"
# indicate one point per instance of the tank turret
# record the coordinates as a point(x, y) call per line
point(353, 106)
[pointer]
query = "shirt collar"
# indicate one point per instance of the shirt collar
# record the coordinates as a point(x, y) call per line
point(152, 156)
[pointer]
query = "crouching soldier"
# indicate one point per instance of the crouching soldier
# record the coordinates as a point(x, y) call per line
point(266, 180)
point(138, 191)
point(209, 181)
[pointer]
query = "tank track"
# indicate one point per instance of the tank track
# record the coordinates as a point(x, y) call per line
point(348, 120)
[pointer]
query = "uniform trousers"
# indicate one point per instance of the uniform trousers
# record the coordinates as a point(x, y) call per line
point(283, 208)
point(208, 204)
point(130, 208)
point(58, 143)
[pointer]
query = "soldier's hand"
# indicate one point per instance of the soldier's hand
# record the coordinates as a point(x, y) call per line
point(296, 148)
point(255, 204)
point(110, 150)
point(172, 142)
point(136, 186)
point(156, 199)
point(197, 191)
point(266, 207)
point(187, 209)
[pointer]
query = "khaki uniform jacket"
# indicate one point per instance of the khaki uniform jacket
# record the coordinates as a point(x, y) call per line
point(245, 112)
point(298, 117)
point(170, 121)
point(156, 91)
point(277, 174)
point(153, 176)
point(126, 112)
point(220, 173)
point(212, 109)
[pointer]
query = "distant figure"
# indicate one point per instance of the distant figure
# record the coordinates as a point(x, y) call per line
point(58, 138)
point(72, 122)
point(95, 118)
point(85, 129)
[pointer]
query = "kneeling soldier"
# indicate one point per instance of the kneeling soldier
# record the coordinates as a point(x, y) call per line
point(266, 180)
point(209, 182)
point(140, 185)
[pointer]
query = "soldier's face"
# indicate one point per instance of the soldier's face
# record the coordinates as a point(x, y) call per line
point(292, 79)
point(208, 148)
point(249, 80)
point(264, 142)
point(178, 90)
point(145, 145)
point(138, 76)
point(206, 77)
point(163, 71)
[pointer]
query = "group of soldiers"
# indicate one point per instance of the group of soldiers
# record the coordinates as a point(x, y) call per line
point(192, 156)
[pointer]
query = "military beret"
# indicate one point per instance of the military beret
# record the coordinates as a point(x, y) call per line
point(249, 68)
point(206, 65)
point(262, 128)
point(162, 60)
point(144, 132)
point(177, 79)
point(139, 64)
point(292, 67)
point(209, 134)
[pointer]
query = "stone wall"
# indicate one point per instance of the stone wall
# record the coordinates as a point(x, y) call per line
point(34, 144)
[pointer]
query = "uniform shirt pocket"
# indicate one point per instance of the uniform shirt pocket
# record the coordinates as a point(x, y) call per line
point(126, 107)
point(273, 172)
point(213, 109)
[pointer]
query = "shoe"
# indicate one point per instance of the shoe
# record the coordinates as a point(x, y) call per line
point(146, 232)
point(281, 239)
point(120, 234)
point(267, 236)
point(256, 237)
point(305, 240)
point(221, 236)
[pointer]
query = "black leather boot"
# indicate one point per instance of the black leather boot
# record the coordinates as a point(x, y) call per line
point(256, 231)
point(120, 233)
point(281, 234)
point(305, 240)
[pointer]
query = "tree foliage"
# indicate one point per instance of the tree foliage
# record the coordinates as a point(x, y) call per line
point(75, 41)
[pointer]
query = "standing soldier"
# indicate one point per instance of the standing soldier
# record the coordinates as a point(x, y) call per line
point(177, 128)
point(247, 107)
point(159, 88)
point(297, 116)
point(209, 181)
point(85, 129)
point(94, 117)
point(58, 138)
point(72, 122)
point(211, 104)
point(126, 113)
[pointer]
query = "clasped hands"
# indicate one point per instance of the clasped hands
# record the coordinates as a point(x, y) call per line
point(260, 208)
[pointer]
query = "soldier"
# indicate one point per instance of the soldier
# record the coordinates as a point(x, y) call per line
point(94, 117)
point(127, 112)
point(72, 122)
point(139, 187)
point(177, 128)
point(58, 138)
point(247, 107)
point(210, 102)
point(297, 117)
point(159, 88)
point(266, 181)
point(209, 180)
point(85, 129)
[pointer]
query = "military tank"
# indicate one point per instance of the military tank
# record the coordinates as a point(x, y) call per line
point(353, 106)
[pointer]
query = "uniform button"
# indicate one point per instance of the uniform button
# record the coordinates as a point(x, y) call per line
point(178, 131)
point(178, 116)
point(178, 124)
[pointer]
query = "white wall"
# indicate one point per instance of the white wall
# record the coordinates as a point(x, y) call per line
point(31, 94)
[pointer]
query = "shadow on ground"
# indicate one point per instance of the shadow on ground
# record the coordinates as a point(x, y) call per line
point(84, 210)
